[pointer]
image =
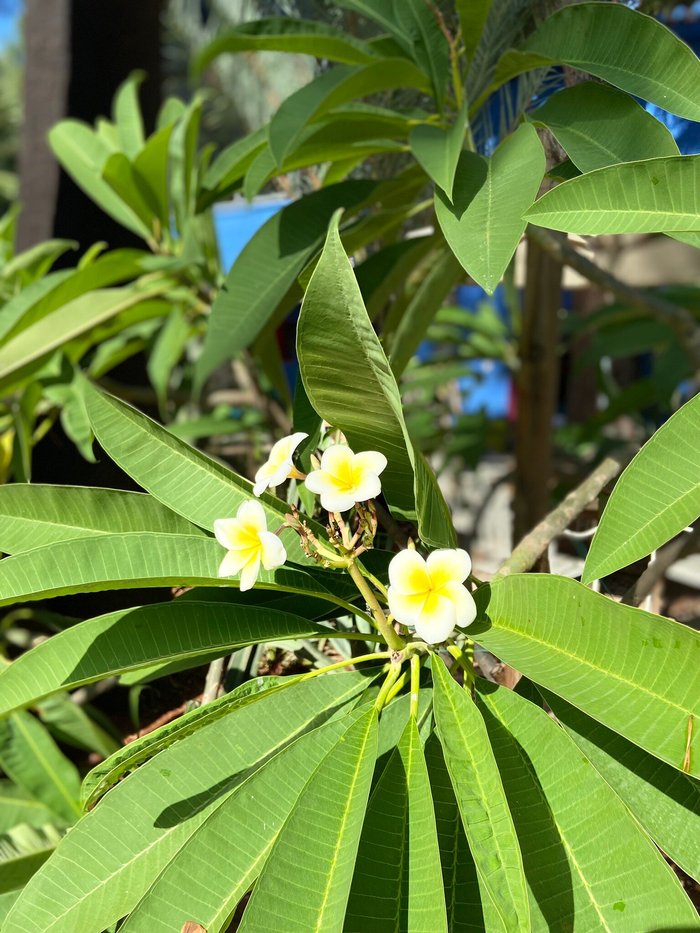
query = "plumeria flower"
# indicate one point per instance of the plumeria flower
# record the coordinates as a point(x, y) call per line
point(248, 543)
point(346, 477)
point(429, 595)
point(278, 466)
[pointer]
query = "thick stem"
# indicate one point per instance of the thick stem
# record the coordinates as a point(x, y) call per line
point(537, 383)
point(533, 545)
point(392, 638)
point(391, 678)
point(415, 685)
point(378, 655)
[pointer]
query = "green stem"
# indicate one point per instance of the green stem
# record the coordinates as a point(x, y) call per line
point(458, 655)
point(397, 687)
point(373, 580)
point(415, 685)
point(393, 640)
point(391, 678)
point(378, 655)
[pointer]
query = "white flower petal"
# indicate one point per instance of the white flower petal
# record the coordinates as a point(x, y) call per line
point(437, 619)
point(448, 564)
point(406, 609)
point(337, 460)
point(272, 551)
point(233, 562)
point(463, 602)
point(370, 460)
point(251, 516)
point(249, 574)
point(334, 501)
point(227, 532)
point(369, 487)
point(263, 479)
point(408, 573)
point(319, 482)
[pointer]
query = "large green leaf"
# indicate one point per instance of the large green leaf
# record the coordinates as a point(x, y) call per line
point(71, 724)
point(484, 227)
point(653, 196)
point(82, 154)
point(472, 19)
point(657, 495)
point(631, 670)
point(599, 126)
point(465, 910)
point(127, 114)
point(330, 811)
point(665, 802)
point(486, 817)
point(73, 319)
point(34, 515)
point(33, 761)
point(645, 58)
point(397, 883)
point(286, 34)
point(429, 46)
point(133, 560)
point(182, 478)
point(129, 639)
point(340, 357)
point(107, 862)
point(267, 268)
point(583, 862)
point(19, 806)
point(438, 150)
point(241, 831)
point(333, 88)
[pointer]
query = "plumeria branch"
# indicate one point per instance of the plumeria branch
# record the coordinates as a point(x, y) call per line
point(392, 638)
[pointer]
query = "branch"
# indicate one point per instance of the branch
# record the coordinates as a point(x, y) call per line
point(534, 544)
point(666, 312)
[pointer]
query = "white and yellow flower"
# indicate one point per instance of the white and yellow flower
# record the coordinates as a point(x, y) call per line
point(429, 595)
point(248, 543)
point(346, 477)
point(279, 466)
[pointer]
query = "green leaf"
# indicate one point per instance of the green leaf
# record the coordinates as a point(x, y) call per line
point(183, 162)
point(438, 150)
point(484, 226)
point(583, 862)
point(656, 497)
point(70, 724)
point(285, 34)
point(653, 196)
point(472, 19)
point(182, 478)
point(333, 88)
point(82, 154)
point(381, 12)
point(397, 883)
point(22, 852)
point(31, 758)
point(631, 670)
point(267, 268)
point(646, 59)
point(18, 806)
point(340, 356)
point(465, 910)
point(102, 868)
point(167, 350)
point(127, 114)
point(599, 126)
point(665, 802)
point(511, 63)
point(123, 178)
point(429, 46)
point(70, 321)
point(113, 561)
point(131, 756)
point(34, 515)
point(151, 165)
point(129, 639)
point(333, 802)
point(231, 164)
point(486, 818)
point(193, 884)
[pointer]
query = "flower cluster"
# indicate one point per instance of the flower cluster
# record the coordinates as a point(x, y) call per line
point(425, 594)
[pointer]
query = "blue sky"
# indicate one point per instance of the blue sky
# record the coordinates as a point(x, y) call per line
point(9, 14)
